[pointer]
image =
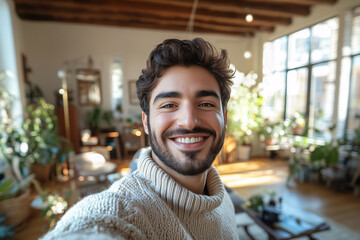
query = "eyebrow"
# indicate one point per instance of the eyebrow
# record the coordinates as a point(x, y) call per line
point(167, 95)
point(199, 94)
point(205, 93)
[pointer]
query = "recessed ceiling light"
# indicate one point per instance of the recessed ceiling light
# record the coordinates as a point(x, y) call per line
point(247, 54)
point(249, 17)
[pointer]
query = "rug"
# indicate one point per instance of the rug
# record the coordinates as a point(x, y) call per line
point(336, 232)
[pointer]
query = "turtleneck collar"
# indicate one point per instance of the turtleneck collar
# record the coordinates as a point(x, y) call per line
point(182, 201)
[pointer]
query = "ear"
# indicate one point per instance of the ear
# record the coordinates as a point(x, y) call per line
point(145, 123)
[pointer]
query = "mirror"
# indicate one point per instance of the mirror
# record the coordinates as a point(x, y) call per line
point(89, 87)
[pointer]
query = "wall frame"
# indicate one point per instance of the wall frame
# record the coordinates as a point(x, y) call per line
point(89, 87)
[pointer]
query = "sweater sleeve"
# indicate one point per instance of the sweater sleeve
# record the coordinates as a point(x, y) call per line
point(104, 215)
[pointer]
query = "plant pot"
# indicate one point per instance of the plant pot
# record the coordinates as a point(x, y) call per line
point(243, 152)
point(268, 141)
point(16, 209)
point(42, 171)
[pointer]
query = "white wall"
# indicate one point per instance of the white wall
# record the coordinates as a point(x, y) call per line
point(48, 45)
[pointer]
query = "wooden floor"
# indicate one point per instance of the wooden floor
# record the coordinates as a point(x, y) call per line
point(260, 175)
point(247, 178)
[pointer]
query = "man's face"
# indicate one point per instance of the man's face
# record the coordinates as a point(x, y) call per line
point(186, 122)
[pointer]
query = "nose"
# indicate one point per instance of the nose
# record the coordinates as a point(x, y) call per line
point(188, 117)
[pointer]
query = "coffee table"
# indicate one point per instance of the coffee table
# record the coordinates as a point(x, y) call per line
point(278, 233)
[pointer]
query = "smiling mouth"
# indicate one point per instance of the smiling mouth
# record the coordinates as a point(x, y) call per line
point(189, 139)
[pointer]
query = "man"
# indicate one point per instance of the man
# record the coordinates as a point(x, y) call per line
point(176, 193)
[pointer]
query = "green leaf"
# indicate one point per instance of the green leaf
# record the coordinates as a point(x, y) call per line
point(332, 156)
point(45, 210)
point(6, 185)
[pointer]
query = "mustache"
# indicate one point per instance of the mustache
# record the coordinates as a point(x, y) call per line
point(181, 131)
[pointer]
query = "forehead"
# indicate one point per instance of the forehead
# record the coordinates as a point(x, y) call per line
point(186, 80)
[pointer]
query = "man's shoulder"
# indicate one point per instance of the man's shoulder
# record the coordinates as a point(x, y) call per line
point(133, 183)
point(110, 209)
point(116, 198)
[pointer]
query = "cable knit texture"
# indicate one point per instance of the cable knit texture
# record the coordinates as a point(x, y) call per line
point(149, 204)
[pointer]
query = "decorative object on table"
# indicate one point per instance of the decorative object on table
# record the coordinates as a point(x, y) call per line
point(280, 222)
point(244, 110)
point(52, 205)
point(300, 223)
point(55, 206)
point(266, 205)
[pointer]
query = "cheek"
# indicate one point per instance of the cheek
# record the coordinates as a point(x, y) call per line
point(161, 123)
point(215, 120)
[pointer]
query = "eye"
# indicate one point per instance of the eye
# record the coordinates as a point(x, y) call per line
point(169, 105)
point(206, 104)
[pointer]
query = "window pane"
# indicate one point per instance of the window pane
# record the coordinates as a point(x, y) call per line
point(274, 96)
point(322, 98)
point(355, 39)
point(117, 86)
point(267, 58)
point(324, 40)
point(354, 107)
point(343, 96)
point(297, 85)
point(299, 48)
point(279, 53)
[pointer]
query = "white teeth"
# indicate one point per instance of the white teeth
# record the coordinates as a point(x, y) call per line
point(189, 140)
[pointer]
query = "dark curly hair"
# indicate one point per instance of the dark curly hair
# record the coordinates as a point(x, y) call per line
point(174, 52)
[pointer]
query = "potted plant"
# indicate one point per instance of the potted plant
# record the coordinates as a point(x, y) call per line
point(297, 124)
point(270, 132)
point(244, 111)
point(96, 116)
point(327, 154)
point(51, 205)
point(46, 148)
point(15, 178)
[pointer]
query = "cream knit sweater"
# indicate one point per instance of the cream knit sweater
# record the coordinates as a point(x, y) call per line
point(149, 204)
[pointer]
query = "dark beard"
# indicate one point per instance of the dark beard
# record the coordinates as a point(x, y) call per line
point(193, 166)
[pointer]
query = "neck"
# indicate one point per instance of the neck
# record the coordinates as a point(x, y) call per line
point(194, 183)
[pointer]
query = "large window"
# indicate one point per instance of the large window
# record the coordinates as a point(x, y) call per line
point(299, 76)
point(349, 95)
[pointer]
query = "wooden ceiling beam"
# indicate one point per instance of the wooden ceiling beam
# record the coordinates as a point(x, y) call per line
point(208, 24)
point(226, 7)
point(285, 9)
point(136, 25)
point(222, 16)
point(131, 18)
point(201, 14)
point(300, 2)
